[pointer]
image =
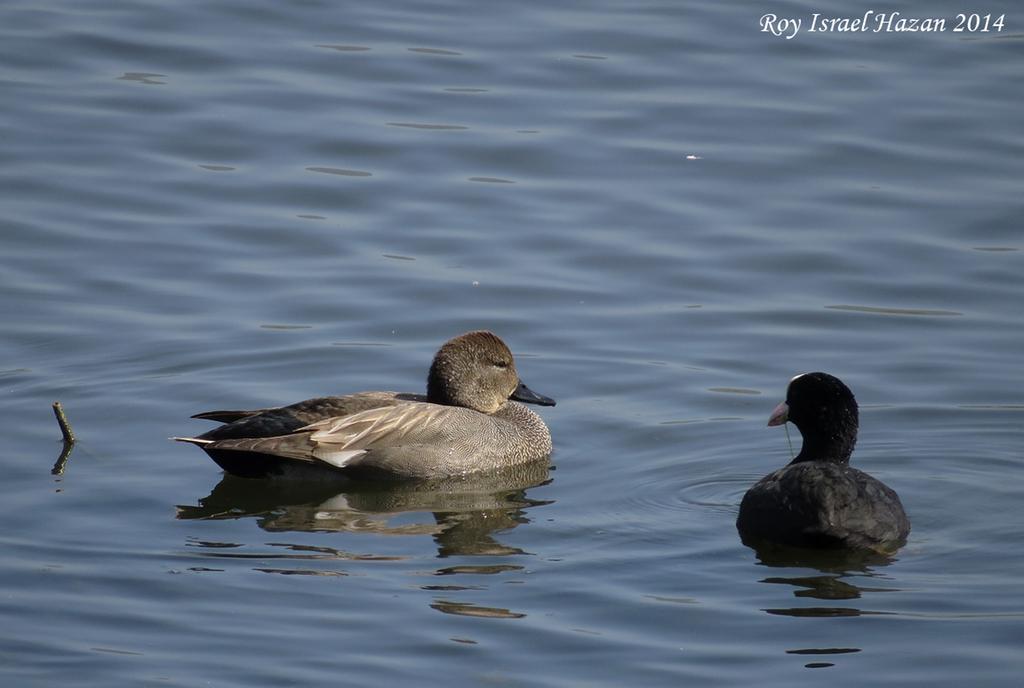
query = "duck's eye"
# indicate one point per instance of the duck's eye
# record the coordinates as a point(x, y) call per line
point(501, 364)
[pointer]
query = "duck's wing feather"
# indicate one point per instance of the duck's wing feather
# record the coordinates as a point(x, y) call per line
point(273, 422)
point(342, 441)
point(228, 416)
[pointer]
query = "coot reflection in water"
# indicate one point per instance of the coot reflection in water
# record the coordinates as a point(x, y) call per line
point(827, 589)
point(467, 510)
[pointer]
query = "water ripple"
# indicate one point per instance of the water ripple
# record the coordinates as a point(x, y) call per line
point(715, 493)
point(878, 310)
point(429, 127)
point(343, 48)
point(340, 172)
point(434, 51)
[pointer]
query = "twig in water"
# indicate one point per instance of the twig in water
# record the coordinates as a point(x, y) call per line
point(62, 460)
point(62, 420)
point(69, 439)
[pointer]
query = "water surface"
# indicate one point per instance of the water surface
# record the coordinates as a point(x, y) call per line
point(664, 211)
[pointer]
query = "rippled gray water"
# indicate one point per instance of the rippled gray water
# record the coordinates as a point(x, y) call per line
point(664, 211)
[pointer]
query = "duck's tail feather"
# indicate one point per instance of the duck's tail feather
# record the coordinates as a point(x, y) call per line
point(193, 440)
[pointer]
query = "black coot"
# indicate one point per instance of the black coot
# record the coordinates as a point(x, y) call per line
point(818, 500)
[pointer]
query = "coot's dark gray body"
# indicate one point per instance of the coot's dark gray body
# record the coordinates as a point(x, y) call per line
point(816, 504)
point(818, 500)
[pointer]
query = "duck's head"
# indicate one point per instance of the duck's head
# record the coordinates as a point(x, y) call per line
point(477, 370)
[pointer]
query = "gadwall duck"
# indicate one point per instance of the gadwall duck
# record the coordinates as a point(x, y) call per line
point(468, 421)
point(818, 500)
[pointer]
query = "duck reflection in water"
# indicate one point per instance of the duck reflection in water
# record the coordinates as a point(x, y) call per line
point(466, 511)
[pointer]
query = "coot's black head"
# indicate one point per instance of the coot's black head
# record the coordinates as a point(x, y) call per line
point(824, 411)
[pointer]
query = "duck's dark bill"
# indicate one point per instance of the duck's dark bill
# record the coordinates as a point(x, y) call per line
point(528, 396)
